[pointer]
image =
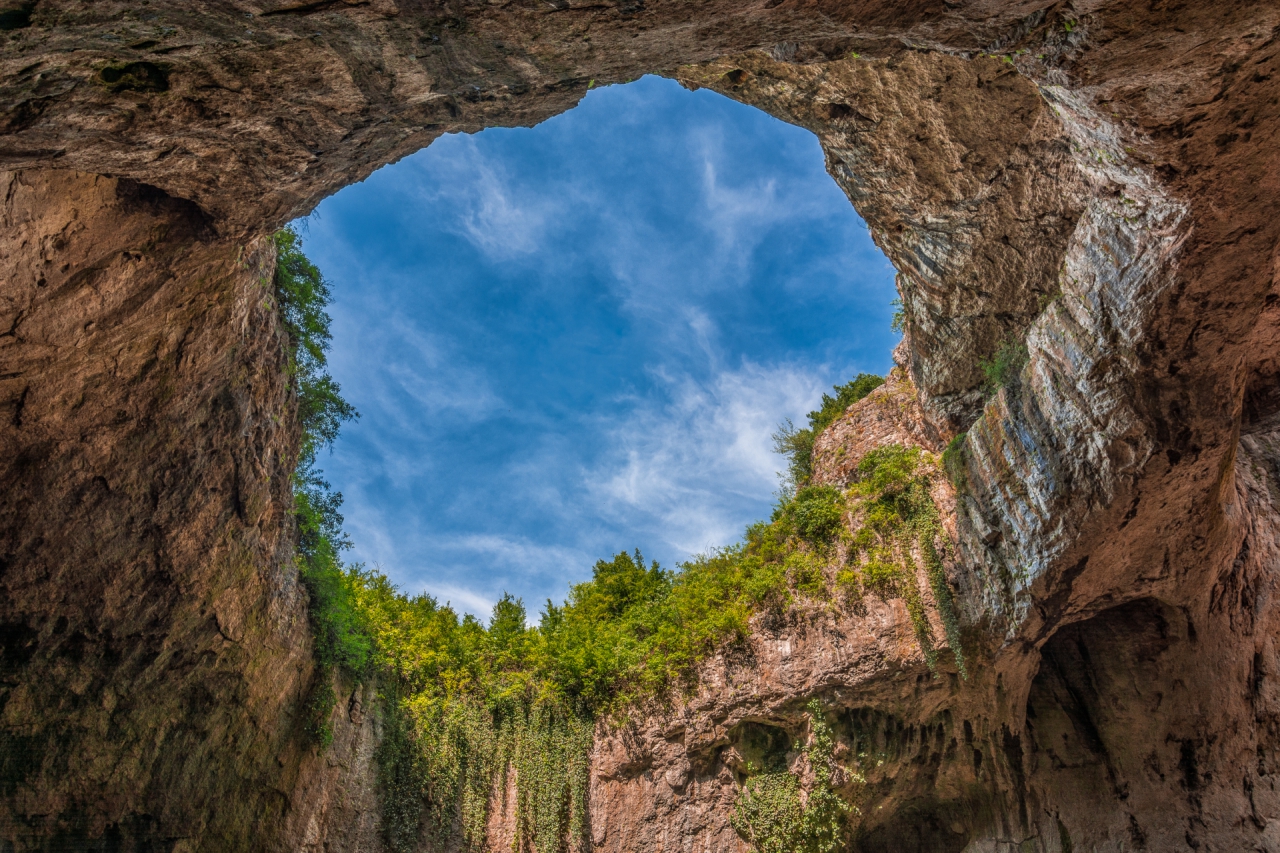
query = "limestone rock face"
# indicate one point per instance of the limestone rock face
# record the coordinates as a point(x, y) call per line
point(1091, 185)
point(966, 177)
point(154, 636)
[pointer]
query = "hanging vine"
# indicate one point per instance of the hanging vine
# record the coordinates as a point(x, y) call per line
point(774, 813)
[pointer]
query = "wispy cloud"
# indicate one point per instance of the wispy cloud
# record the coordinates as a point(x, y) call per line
point(683, 468)
point(469, 570)
point(498, 214)
point(461, 598)
point(735, 214)
point(740, 209)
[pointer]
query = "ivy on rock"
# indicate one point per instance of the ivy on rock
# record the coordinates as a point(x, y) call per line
point(774, 815)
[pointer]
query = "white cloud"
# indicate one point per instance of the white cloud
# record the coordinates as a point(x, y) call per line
point(514, 552)
point(684, 470)
point(442, 562)
point(741, 209)
point(419, 365)
point(461, 599)
point(499, 216)
point(736, 215)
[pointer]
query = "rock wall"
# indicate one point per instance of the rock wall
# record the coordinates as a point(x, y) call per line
point(1149, 724)
point(1109, 502)
point(1097, 179)
point(156, 653)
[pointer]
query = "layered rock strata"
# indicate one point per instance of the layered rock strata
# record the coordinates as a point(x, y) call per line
point(1095, 181)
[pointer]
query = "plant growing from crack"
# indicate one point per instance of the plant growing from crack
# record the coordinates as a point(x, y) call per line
point(955, 463)
point(775, 815)
point(1003, 367)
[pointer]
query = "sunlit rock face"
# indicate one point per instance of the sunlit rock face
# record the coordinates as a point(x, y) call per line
point(1094, 180)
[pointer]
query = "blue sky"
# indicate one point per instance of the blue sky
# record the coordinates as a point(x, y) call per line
point(576, 339)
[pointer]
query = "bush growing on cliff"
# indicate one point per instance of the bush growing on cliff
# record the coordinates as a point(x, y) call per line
point(796, 444)
point(898, 322)
point(816, 511)
point(1004, 366)
point(955, 461)
point(771, 814)
point(898, 527)
point(342, 641)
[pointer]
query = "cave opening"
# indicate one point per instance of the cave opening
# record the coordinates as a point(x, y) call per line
point(159, 642)
point(576, 339)
point(1109, 721)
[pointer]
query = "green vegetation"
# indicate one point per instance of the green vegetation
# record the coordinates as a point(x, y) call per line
point(465, 704)
point(796, 444)
point(301, 296)
point(899, 320)
point(1004, 367)
point(770, 814)
point(467, 701)
point(897, 530)
point(955, 461)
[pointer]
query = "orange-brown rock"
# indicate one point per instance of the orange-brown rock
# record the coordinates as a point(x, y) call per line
point(1098, 179)
point(155, 641)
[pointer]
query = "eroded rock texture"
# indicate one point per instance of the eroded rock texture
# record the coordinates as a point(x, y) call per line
point(1097, 180)
point(155, 643)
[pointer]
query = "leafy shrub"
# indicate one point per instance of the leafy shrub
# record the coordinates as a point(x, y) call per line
point(846, 395)
point(899, 528)
point(806, 575)
point(896, 512)
point(849, 585)
point(818, 512)
point(889, 470)
point(341, 638)
point(796, 444)
point(771, 815)
point(955, 463)
point(1004, 367)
